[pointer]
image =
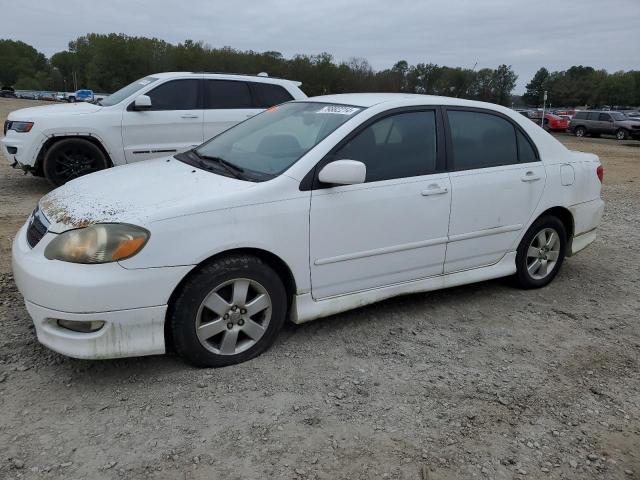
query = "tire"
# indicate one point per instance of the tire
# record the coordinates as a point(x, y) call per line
point(580, 131)
point(71, 99)
point(539, 258)
point(71, 158)
point(212, 302)
point(622, 134)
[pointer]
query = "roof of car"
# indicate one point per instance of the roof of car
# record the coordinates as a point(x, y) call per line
point(233, 76)
point(371, 99)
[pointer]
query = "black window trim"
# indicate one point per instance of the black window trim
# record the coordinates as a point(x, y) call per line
point(450, 161)
point(311, 181)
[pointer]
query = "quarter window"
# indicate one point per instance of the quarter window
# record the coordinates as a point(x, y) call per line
point(401, 145)
point(227, 94)
point(581, 116)
point(268, 95)
point(175, 95)
point(481, 140)
point(526, 153)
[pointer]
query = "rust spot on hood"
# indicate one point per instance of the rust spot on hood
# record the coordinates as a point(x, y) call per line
point(77, 208)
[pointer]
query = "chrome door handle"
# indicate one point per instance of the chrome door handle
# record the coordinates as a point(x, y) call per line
point(530, 177)
point(188, 115)
point(434, 189)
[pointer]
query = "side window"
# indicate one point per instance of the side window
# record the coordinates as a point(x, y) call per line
point(581, 116)
point(481, 140)
point(175, 95)
point(401, 145)
point(225, 94)
point(593, 116)
point(604, 117)
point(268, 95)
point(526, 153)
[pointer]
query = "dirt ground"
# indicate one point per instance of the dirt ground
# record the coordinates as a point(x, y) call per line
point(481, 381)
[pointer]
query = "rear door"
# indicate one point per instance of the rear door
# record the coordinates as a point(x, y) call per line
point(172, 124)
point(605, 123)
point(497, 180)
point(226, 103)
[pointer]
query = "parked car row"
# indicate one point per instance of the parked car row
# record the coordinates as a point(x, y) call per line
point(622, 125)
point(299, 211)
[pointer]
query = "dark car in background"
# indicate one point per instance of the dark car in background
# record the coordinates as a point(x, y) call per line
point(596, 123)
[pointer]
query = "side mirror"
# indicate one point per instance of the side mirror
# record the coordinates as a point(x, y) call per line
point(343, 172)
point(142, 102)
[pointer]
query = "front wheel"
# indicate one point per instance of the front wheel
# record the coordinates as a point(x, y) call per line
point(541, 252)
point(71, 158)
point(228, 312)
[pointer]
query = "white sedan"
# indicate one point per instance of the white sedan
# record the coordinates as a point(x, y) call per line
point(311, 208)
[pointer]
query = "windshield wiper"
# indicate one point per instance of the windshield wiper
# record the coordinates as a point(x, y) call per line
point(234, 170)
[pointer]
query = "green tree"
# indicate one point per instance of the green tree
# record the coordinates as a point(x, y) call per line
point(534, 93)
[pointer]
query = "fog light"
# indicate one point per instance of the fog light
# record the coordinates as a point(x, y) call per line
point(82, 327)
point(12, 150)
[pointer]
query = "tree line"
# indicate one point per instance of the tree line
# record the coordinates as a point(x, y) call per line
point(106, 62)
point(580, 85)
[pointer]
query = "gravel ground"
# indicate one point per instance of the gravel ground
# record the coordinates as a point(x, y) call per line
point(481, 381)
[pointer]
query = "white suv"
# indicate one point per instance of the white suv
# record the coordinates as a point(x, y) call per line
point(158, 115)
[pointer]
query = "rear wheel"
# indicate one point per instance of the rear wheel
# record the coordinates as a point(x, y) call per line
point(71, 158)
point(622, 134)
point(228, 312)
point(580, 131)
point(541, 252)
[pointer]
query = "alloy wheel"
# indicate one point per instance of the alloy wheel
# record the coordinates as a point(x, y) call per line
point(74, 162)
point(233, 317)
point(543, 253)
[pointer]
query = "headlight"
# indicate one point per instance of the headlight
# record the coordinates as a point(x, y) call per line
point(99, 243)
point(20, 127)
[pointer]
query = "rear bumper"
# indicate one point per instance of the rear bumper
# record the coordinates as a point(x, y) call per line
point(586, 218)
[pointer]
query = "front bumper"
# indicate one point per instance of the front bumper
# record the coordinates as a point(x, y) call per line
point(131, 302)
point(25, 145)
point(126, 333)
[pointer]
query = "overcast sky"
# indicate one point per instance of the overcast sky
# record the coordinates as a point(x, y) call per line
point(526, 34)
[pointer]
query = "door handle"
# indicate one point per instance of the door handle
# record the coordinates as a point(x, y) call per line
point(434, 189)
point(188, 115)
point(530, 177)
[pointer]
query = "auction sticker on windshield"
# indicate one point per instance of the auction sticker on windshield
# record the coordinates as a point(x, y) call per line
point(338, 109)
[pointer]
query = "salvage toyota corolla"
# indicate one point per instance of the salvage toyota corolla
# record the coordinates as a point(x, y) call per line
point(310, 208)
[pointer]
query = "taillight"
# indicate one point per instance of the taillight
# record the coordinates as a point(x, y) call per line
point(600, 172)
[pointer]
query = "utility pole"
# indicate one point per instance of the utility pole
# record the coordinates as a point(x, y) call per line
point(544, 101)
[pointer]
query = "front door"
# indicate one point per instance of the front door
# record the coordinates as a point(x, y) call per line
point(173, 124)
point(496, 183)
point(393, 227)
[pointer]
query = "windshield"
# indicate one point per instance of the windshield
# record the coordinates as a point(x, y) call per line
point(271, 142)
point(127, 91)
point(619, 116)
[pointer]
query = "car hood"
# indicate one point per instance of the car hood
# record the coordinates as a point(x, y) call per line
point(138, 193)
point(33, 113)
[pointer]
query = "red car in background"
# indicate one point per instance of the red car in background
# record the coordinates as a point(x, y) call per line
point(552, 122)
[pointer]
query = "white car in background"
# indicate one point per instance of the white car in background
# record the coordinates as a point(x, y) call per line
point(158, 115)
point(311, 208)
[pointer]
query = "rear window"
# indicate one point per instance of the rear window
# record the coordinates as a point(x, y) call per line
point(267, 95)
point(227, 94)
point(481, 140)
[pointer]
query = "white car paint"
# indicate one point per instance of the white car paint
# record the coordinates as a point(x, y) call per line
point(345, 246)
point(126, 135)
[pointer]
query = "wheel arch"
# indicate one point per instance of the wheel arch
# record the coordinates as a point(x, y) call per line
point(274, 261)
point(50, 141)
point(565, 216)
